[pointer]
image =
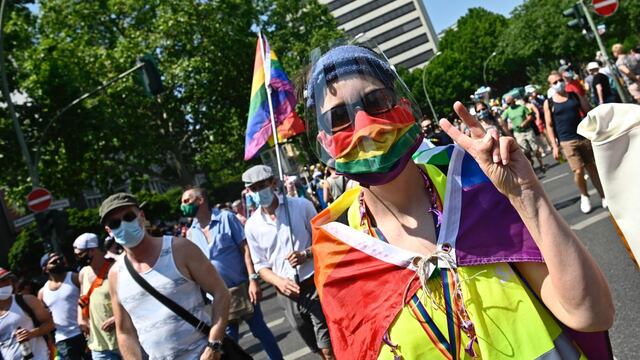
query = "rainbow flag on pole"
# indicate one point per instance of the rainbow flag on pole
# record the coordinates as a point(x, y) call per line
point(267, 71)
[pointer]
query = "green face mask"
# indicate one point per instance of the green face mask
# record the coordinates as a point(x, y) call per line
point(189, 210)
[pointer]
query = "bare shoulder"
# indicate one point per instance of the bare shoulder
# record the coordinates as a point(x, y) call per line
point(182, 246)
point(31, 300)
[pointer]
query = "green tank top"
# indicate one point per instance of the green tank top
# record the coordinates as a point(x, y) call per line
point(99, 311)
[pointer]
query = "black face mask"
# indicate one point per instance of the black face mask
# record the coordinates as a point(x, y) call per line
point(58, 268)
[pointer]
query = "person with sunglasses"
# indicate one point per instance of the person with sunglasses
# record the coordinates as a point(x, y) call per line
point(61, 294)
point(563, 112)
point(445, 253)
point(177, 269)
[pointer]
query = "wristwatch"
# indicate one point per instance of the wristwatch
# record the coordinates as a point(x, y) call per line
point(215, 345)
point(254, 276)
point(308, 254)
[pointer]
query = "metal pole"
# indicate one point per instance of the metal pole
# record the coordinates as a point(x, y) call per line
point(274, 132)
point(603, 50)
point(424, 87)
point(484, 68)
point(33, 171)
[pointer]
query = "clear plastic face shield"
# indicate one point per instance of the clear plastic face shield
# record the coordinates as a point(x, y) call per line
point(360, 113)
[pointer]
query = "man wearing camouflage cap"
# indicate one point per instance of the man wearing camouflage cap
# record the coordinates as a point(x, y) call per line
point(276, 255)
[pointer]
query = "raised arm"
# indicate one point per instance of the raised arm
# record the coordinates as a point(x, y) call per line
point(128, 343)
point(570, 283)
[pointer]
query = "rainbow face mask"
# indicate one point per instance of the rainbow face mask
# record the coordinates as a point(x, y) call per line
point(376, 148)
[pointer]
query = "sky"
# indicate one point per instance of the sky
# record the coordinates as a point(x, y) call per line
point(444, 13)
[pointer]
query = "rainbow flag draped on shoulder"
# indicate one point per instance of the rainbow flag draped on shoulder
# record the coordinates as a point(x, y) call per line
point(377, 308)
point(267, 71)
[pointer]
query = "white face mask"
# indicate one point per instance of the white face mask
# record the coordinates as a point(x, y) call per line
point(5, 292)
point(559, 86)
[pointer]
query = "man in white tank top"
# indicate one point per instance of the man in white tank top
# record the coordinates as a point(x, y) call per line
point(177, 269)
point(16, 326)
point(60, 294)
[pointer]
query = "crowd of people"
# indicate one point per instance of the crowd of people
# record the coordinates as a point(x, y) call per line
point(183, 295)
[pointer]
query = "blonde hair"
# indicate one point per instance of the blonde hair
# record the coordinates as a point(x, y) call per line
point(617, 48)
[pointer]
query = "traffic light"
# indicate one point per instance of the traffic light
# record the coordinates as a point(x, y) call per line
point(578, 20)
point(150, 76)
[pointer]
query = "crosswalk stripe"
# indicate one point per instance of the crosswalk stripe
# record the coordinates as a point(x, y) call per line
point(297, 354)
point(554, 178)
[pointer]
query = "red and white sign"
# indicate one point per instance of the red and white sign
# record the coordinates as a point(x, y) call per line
point(39, 200)
point(605, 7)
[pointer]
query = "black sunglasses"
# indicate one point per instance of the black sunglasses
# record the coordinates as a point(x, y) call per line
point(557, 81)
point(375, 102)
point(115, 223)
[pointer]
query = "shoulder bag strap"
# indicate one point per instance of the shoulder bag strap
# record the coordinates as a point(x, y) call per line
point(200, 325)
point(97, 282)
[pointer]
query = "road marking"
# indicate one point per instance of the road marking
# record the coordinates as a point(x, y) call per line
point(590, 221)
point(554, 178)
point(275, 322)
point(298, 354)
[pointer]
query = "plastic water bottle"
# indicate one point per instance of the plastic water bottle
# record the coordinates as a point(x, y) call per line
point(25, 349)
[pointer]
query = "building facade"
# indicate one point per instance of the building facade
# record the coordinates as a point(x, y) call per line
point(401, 28)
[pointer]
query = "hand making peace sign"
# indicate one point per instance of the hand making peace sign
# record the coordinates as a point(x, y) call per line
point(499, 157)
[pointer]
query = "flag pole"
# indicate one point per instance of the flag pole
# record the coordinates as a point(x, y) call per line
point(274, 133)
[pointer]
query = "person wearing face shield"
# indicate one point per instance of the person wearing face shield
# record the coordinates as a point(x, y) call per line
point(61, 294)
point(95, 315)
point(174, 267)
point(281, 259)
point(564, 111)
point(19, 335)
point(445, 253)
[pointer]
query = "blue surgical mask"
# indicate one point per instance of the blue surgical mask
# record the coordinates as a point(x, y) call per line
point(264, 197)
point(483, 114)
point(129, 234)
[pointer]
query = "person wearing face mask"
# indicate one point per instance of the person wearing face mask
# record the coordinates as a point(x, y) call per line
point(61, 294)
point(95, 315)
point(177, 269)
point(453, 252)
point(520, 120)
point(564, 111)
point(278, 258)
point(486, 118)
point(17, 323)
point(220, 235)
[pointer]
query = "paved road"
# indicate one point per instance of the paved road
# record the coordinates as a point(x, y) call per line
point(595, 230)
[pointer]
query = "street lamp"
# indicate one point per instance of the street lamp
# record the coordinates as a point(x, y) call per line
point(484, 68)
point(424, 86)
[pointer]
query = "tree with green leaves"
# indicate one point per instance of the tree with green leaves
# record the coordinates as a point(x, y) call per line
point(121, 136)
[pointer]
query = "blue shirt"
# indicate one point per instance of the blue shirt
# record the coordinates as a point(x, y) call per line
point(225, 249)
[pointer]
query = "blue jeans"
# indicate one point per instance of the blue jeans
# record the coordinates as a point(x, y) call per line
point(260, 330)
point(106, 355)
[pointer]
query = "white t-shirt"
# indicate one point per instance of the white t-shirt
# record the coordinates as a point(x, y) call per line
point(270, 242)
